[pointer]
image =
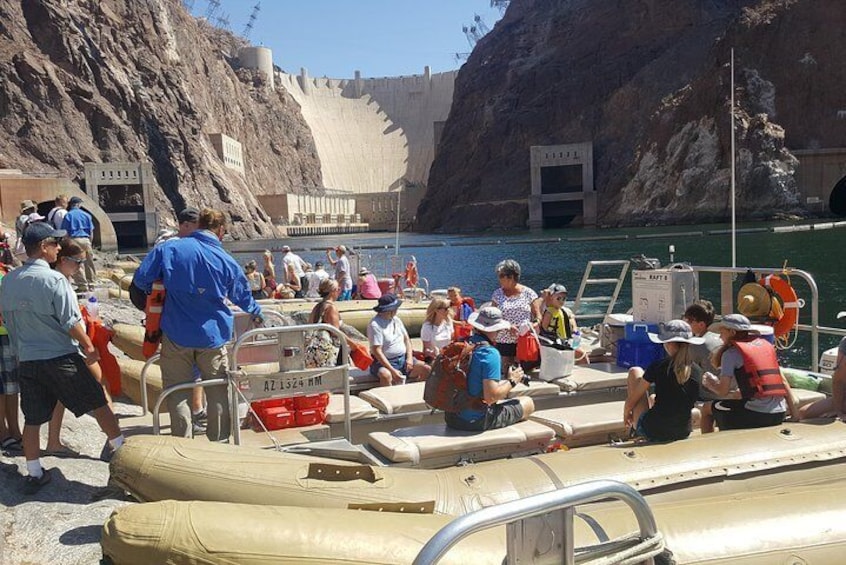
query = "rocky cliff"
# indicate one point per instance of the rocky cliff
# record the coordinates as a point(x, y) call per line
point(648, 82)
point(126, 80)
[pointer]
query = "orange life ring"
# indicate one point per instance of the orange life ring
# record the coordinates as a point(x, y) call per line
point(790, 304)
point(152, 325)
point(411, 274)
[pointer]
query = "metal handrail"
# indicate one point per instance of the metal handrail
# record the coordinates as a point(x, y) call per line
point(814, 328)
point(251, 335)
point(517, 510)
point(149, 363)
point(182, 386)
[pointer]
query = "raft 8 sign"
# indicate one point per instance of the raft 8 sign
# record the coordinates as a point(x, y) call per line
point(257, 387)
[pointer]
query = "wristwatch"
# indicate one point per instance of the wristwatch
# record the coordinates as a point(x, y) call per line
point(513, 383)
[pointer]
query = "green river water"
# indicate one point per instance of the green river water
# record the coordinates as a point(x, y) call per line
point(561, 255)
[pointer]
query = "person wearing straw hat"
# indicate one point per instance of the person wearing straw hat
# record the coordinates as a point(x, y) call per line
point(676, 379)
point(390, 345)
point(748, 363)
point(27, 208)
point(834, 405)
point(484, 379)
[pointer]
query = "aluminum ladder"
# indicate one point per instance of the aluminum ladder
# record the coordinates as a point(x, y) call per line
point(587, 281)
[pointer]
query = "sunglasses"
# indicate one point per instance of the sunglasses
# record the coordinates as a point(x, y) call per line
point(75, 260)
point(51, 241)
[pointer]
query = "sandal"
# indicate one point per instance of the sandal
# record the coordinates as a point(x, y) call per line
point(12, 445)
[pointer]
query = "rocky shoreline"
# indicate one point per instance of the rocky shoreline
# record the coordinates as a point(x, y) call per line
point(62, 523)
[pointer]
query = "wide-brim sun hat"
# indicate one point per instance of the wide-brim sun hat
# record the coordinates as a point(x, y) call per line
point(387, 303)
point(675, 331)
point(488, 319)
point(26, 205)
point(737, 322)
point(753, 300)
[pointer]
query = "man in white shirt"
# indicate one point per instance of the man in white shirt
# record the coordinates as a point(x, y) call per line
point(294, 267)
point(57, 215)
point(342, 271)
point(314, 279)
point(391, 347)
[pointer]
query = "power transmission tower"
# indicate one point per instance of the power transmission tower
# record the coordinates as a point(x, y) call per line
point(189, 5)
point(481, 25)
point(458, 57)
point(212, 8)
point(501, 5)
point(223, 21)
point(251, 22)
point(470, 34)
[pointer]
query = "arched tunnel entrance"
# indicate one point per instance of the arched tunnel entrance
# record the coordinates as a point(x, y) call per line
point(837, 199)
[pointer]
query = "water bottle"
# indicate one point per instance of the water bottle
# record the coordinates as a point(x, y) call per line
point(93, 306)
point(576, 340)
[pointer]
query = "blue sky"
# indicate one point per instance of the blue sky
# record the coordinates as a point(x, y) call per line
point(378, 37)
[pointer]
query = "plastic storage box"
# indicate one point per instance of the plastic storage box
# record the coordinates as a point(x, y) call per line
point(637, 354)
point(637, 331)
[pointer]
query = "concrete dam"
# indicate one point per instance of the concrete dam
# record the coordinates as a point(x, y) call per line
point(375, 136)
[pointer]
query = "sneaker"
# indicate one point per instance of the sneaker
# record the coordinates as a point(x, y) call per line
point(200, 417)
point(197, 429)
point(107, 452)
point(33, 484)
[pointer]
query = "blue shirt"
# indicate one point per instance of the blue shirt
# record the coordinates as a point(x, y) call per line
point(39, 309)
point(486, 363)
point(199, 275)
point(78, 223)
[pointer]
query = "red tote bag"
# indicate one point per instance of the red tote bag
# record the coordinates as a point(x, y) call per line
point(360, 355)
point(528, 348)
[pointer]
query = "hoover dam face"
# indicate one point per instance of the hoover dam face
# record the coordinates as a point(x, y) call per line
point(375, 136)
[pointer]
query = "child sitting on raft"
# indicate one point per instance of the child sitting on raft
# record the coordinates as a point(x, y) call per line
point(676, 387)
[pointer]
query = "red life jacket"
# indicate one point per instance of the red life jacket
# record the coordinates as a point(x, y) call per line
point(760, 376)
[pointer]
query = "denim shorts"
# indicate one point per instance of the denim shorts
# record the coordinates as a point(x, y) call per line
point(397, 363)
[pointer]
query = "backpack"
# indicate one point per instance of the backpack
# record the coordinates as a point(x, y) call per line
point(446, 385)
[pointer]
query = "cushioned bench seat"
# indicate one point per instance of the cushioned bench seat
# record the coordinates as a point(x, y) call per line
point(594, 377)
point(595, 423)
point(589, 424)
point(362, 380)
point(359, 409)
point(436, 445)
point(407, 398)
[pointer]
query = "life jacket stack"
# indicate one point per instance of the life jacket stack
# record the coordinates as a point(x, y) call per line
point(760, 376)
point(279, 413)
point(152, 325)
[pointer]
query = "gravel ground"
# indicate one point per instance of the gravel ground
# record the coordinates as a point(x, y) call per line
point(62, 523)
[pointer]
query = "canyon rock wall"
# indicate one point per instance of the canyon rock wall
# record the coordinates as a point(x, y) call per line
point(648, 82)
point(124, 80)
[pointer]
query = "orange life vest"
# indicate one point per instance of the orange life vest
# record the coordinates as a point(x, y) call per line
point(152, 325)
point(100, 336)
point(411, 274)
point(760, 376)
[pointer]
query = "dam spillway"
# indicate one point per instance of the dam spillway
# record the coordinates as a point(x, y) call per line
point(375, 136)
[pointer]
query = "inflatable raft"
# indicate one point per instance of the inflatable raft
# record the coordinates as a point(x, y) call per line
point(787, 524)
point(156, 468)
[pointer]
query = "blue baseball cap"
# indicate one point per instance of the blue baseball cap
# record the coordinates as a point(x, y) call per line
point(39, 231)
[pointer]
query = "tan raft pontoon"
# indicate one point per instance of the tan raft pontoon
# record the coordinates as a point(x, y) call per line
point(160, 468)
point(789, 524)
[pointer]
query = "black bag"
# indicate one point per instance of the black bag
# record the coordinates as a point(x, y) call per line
point(137, 296)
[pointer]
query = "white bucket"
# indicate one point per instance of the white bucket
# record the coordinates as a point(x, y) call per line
point(556, 363)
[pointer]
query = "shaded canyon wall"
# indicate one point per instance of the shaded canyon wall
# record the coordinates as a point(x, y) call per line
point(647, 82)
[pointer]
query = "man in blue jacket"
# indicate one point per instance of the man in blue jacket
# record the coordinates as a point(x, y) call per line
point(80, 228)
point(198, 276)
